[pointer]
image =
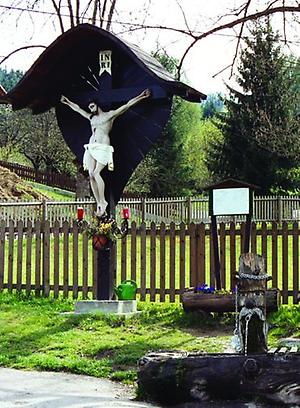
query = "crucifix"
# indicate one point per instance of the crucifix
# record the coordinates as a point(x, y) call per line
point(86, 64)
point(99, 151)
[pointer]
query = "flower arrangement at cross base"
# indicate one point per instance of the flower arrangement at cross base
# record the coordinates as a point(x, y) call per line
point(104, 231)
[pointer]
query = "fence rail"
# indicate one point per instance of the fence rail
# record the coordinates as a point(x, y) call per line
point(163, 259)
point(180, 209)
point(195, 209)
point(49, 178)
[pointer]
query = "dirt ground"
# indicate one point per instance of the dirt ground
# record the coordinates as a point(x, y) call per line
point(13, 187)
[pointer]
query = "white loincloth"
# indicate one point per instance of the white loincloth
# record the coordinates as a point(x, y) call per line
point(100, 152)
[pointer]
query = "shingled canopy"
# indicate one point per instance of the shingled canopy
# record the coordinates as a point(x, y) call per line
point(70, 66)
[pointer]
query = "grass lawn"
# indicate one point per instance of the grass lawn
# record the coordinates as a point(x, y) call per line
point(53, 193)
point(38, 333)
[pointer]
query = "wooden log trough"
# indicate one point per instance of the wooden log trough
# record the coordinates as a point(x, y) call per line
point(218, 303)
point(177, 377)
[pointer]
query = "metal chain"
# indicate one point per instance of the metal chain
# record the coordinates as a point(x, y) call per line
point(254, 277)
point(248, 317)
point(236, 330)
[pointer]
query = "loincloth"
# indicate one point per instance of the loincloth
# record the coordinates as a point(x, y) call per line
point(100, 152)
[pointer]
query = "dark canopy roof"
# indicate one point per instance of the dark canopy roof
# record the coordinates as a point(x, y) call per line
point(43, 84)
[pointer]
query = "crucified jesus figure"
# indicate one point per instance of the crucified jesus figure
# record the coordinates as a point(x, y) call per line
point(99, 152)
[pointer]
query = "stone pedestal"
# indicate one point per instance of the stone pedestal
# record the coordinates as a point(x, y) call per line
point(118, 307)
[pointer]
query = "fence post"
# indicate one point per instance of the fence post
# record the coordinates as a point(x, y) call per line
point(189, 210)
point(143, 205)
point(279, 209)
point(44, 210)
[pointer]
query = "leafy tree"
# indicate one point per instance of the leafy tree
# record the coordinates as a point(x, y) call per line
point(36, 137)
point(9, 124)
point(260, 131)
point(195, 146)
point(42, 143)
point(10, 131)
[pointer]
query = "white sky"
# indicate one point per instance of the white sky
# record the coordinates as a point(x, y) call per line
point(208, 57)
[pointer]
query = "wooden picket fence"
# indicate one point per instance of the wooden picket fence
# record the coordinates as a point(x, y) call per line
point(163, 260)
point(59, 180)
point(172, 209)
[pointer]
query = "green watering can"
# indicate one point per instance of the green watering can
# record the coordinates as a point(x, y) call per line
point(126, 290)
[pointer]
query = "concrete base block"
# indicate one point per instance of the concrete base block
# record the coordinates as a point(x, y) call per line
point(118, 307)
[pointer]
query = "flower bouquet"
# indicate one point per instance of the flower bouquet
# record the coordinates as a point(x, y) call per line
point(103, 231)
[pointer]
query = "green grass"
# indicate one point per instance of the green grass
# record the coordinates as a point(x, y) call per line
point(53, 193)
point(44, 334)
point(285, 323)
point(35, 333)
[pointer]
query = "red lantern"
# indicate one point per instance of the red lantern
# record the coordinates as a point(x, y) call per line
point(80, 213)
point(125, 213)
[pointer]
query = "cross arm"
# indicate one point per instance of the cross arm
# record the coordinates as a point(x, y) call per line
point(108, 97)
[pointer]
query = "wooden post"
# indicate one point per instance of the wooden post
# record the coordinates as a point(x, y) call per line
point(247, 234)
point(214, 235)
point(143, 205)
point(106, 263)
point(189, 210)
point(44, 211)
point(279, 210)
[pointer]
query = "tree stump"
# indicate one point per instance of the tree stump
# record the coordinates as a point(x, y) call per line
point(251, 300)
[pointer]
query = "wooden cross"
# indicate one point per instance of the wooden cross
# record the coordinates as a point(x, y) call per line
point(106, 97)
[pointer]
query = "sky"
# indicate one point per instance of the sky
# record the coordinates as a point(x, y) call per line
point(210, 56)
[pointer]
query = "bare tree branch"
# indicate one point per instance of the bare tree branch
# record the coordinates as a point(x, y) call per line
point(184, 17)
point(246, 8)
point(20, 49)
point(249, 17)
point(102, 15)
point(284, 23)
point(110, 14)
point(59, 16)
point(94, 16)
point(77, 12)
point(70, 7)
point(102, 12)
point(86, 9)
point(222, 70)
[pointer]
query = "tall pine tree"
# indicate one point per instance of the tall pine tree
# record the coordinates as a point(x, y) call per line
point(8, 79)
point(260, 127)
